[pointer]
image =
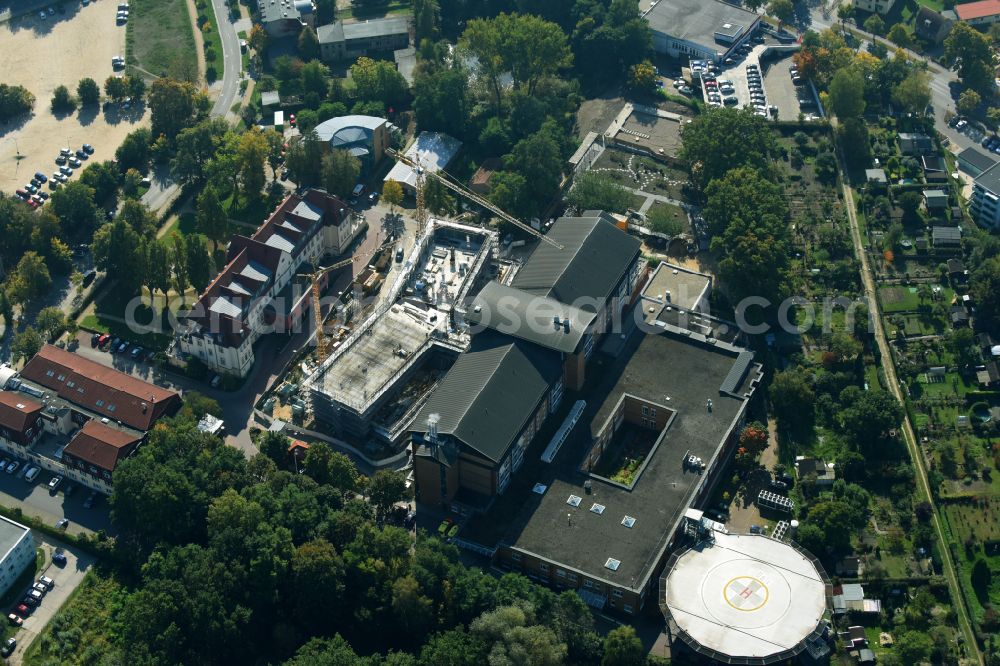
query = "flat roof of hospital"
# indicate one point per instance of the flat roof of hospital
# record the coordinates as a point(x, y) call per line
point(744, 596)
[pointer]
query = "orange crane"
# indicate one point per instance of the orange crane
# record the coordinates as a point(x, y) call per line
point(322, 343)
point(464, 192)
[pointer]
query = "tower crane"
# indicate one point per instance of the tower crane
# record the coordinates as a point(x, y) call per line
point(322, 343)
point(464, 192)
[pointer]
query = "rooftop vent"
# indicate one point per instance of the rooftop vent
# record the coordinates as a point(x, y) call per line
point(612, 564)
point(539, 488)
point(574, 500)
point(628, 521)
point(597, 508)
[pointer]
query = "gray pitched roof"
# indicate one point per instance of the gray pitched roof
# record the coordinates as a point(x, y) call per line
point(529, 317)
point(595, 256)
point(490, 391)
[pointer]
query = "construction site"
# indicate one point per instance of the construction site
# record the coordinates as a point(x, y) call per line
point(376, 379)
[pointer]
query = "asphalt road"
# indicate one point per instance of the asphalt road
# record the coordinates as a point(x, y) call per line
point(231, 58)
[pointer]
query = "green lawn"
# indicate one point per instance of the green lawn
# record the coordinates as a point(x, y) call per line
point(160, 37)
point(110, 317)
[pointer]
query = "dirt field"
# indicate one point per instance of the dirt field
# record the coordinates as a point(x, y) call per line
point(43, 54)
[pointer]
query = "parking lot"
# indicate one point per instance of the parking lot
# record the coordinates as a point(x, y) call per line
point(34, 499)
point(40, 54)
point(66, 577)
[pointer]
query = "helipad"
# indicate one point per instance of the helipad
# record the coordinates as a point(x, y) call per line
point(744, 597)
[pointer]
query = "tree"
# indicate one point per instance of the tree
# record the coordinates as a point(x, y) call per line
point(985, 288)
point(251, 155)
point(62, 100)
point(426, 19)
point(133, 153)
point(330, 467)
point(642, 77)
point(51, 322)
point(257, 39)
point(623, 648)
point(386, 488)
point(308, 44)
point(378, 81)
point(199, 145)
point(793, 403)
point(845, 12)
point(537, 158)
point(527, 47)
point(199, 263)
point(875, 25)
point(437, 198)
point(968, 102)
point(25, 344)
point(172, 106)
point(973, 53)
point(747, 216)
point(211, 218)
point(593, 190)
point(88, 91)
point(914, 647)
point(29, 280)
point(913, 93)
point(304, 159)
point(724, 139)
point(870, 417)
point(318, 575)
point(392, 194)
point(847, 93)
point(115, 88)
point(136, 86)
point(179, 263)
point(783, 10)
point(899, 36)
point(509, 191)
point(441, 99)
point(14, 101)
point(102, 178)
point(340, 172)
point(119, 251)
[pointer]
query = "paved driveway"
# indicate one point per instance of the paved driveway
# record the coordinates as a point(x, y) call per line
point(35, 500)
point(66, 577)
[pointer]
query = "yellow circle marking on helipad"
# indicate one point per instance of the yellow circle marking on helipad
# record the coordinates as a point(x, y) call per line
point(745, 593)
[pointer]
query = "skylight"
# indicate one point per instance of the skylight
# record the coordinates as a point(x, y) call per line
point(597, 508)
point(628, 521)
point(574, 500)
point(612, 564)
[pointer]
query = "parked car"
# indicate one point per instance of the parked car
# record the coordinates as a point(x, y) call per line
point(24, 610)
point(30, 187)
point(756, 529)
point(103, 340)
point(136, 352)
point(41, 588)
point(40, 177)
point(74, 162)
point(47, 582)
point(716, 515)
point(59, 557)
point(35, 594)
point(62, 523)
point(15, 619)
point(89, 149)
point(54, 482)
point(66, 171)
point(8, 647)
point(30, 475)
point(12, 466)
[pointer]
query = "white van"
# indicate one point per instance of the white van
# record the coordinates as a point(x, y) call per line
point(32, 472)
point(359, 189)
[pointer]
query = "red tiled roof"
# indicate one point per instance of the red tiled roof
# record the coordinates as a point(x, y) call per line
point(100, 389)
point(17, 413)
point(99, 445)
point(976, 10)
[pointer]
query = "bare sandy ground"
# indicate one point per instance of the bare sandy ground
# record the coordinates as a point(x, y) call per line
point(60, 50)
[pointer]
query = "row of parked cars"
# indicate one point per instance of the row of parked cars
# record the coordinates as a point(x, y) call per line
point(32, 598)
point(116, 345)
point(992, 143)
point(33, 193)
